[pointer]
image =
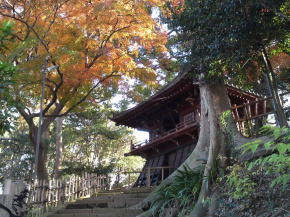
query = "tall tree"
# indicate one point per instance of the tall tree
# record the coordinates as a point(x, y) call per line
point(227, 36)
point(90, 45)
point(217, 39)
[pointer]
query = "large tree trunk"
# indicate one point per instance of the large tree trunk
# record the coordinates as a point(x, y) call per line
point(212, 147)
point(42, 170)
point(59, 147)
point(216, 101)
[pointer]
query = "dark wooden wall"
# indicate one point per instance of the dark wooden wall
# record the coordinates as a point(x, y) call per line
point(172, 159)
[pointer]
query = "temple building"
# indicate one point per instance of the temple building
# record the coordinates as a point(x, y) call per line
point(172, 117)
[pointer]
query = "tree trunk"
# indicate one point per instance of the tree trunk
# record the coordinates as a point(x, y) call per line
point(216, 101)
point(272, 86)
point(212, 146)
point(59, 147)
point(42, 170)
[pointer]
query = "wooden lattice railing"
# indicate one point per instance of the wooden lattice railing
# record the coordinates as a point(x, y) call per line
point(252, 115)
point(44, 195)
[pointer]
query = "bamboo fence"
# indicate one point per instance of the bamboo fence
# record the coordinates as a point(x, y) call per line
point(45, 195)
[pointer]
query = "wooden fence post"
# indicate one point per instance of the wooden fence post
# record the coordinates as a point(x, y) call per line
point(45, 194)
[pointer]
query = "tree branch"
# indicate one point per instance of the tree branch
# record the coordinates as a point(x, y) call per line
point(84, 97)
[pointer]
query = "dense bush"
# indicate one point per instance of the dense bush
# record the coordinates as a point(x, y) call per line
point(180, 194)
point(276, 165)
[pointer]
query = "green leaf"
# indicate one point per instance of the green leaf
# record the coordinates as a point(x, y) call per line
point(277, 132)
point(254, 147)
point(268, 145)
point(282, 148)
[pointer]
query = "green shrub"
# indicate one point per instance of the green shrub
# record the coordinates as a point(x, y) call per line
point(240, 183)
point(180, 194)
point(276, 165)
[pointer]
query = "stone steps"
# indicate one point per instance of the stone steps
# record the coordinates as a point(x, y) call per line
point(106, 204)
point(103, 203)
point(103, 213)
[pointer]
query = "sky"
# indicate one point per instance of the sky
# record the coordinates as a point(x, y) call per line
point(141, 135)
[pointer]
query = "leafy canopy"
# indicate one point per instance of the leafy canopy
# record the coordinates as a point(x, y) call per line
point(223, 36)
point(6, 72)
point(92, 44)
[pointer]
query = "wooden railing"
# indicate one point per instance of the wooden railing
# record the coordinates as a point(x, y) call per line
point(178, 127)
point(44, 195)
point(149, 173)
point(128, 179)
point(246, 114)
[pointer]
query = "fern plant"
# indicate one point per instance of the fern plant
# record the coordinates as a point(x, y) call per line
point(180, 194)
point(277, 163)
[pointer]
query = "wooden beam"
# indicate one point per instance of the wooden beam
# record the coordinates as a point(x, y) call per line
point(175, 142)
point(190, 135)
point(156, 149)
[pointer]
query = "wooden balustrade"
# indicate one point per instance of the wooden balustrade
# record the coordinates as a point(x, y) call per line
point(44, 195)
point(178, 127)
point(126, 179)
point(243, 114)
point(149, 172)
point(246, 114)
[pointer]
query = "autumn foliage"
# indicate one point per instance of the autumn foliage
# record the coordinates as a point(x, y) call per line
point(91, 42)
point(92, 45)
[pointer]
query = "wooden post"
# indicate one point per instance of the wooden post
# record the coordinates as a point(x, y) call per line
point(246, 113)
point(63, 196)
point(249, 109)
point(237, 117)
point(43, 194)
point(94, 184)
point(148, 177)
point(256, 108)
point(57, 191)
point(132, 145)
point(89, 184)
point(69, 189)
point(74, 187)
point(50, 191)
point(247, 120)
point(162, 173)
point(265, 107)
point(78, 187)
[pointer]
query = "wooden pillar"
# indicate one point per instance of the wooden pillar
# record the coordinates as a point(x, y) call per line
point(256, 108)
point(265, 107)
point(148, 177)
